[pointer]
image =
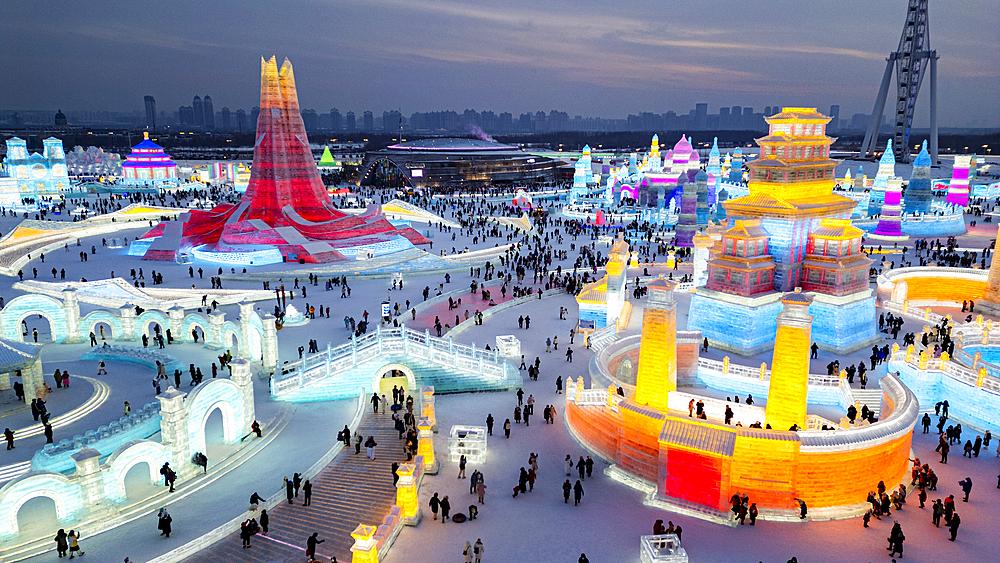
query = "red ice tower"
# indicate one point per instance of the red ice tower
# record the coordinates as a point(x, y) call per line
point(286, 205)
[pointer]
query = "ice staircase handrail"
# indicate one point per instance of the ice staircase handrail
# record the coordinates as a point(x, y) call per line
point(421, 345)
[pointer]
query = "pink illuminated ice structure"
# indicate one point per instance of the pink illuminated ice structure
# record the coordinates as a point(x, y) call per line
point(958, 188)
point(889, 225)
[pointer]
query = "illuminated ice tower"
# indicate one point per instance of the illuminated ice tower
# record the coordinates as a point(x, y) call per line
point(588, 165)
point(657, 372)
point(655, 164)
point(889, 226)
point(918, 192)
point(958, 188)
point(714, 169)
point(789, 385)
point(687, 221)
point(701, 191)
point(579, 188)
point(791, 188)
point(886, 170)
point(736, 167)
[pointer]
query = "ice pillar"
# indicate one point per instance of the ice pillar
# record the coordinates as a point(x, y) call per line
point(657, 374)
point(789, 386)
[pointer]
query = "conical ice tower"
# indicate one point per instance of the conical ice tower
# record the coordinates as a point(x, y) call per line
point(285, 213)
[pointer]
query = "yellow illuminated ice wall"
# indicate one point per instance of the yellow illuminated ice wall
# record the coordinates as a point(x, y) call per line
point(786, 396)
point(657, 373)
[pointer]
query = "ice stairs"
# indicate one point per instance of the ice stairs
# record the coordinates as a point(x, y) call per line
point(351, 490)
point(870, 397)
point(445, 379)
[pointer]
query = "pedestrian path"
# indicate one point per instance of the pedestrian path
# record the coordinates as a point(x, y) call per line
point(351, 490)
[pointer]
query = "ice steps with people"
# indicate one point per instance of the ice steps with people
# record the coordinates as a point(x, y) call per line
point(870, 397)
point(351, 490)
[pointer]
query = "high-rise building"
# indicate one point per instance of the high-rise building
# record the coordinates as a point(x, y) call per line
point(209, 114)
point(185, 115)
point(241, 120)
point(254, 114)
point(368, 121)
point(150, 112)
point(391, 122)
point(350, 122)
point(700, 116)
point(226, 119)
point(835, 114)
point(736, 113)
point(725, 119)
point(199, 112)
point(336, 120)
point(311, 119)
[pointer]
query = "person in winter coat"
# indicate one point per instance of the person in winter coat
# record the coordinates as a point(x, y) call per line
point(62, 545)
point(481, 490)
point(445, 509)
point(896, 538)
point(311, 544)
point(753, 514)
point(569, 465)
point(567, 487)
point(289, 490)
point(264, 521)
point(966, 487)
point(370, 447)
point(434, 504)
point(164, 521)
point(74, 544)
point(506, 428)
point(477, 550)
point(467, 552)
point(577, 493)
point(953, 526)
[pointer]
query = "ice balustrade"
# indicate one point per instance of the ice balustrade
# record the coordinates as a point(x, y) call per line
point(974, 377)
point(139, 424)
point(664, 548)
point(132, 354)
point(892, 425)
point(416, 344)
point(600, 338)
point(716, 408)
point(726, 368)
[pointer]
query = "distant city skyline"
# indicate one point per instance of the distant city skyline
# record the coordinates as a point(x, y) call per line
point(581, 57)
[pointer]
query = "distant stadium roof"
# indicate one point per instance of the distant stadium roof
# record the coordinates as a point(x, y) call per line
point(451, 144)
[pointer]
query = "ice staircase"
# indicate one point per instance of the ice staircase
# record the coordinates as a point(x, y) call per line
point(351, 490)
point(870, 397)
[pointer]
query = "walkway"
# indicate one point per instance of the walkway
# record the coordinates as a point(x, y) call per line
point(349, 491)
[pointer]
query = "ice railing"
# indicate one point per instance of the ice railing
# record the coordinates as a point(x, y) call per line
point(598, 396)
point(725, 368)
point(664, 548)
point(895, 424)
point(985, 376)
point(915, 312)
point(415, 344)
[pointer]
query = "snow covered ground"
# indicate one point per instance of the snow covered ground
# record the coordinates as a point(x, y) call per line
point(533, 527)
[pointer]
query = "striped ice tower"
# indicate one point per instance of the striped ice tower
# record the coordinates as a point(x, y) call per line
point(789, 385)
point(918, 192)
point(687, 222)
point(958, 188)
point(889, 227)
